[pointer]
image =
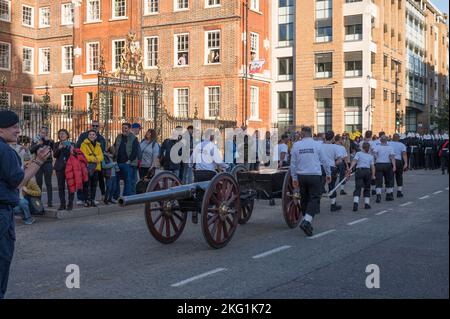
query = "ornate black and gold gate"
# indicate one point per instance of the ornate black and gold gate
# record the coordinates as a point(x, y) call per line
point(127, 95)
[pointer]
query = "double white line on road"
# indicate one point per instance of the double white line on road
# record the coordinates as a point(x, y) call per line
point(206, 274)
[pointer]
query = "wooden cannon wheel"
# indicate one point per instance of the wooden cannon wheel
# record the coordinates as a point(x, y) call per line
point(291, 206)
point(246, 210)
point(164, 219)
point(220, 210)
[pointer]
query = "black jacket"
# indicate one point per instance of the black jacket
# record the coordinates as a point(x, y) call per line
point(164, 155)
point(61, 155)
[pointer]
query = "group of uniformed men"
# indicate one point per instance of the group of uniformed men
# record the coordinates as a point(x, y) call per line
point(378, 162)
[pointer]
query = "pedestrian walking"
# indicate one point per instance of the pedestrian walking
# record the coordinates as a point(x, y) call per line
point(401, 162)
point(333, 158)
point(385, 169)
point(443, 154)
point(344, 163)
point(365, 173)
point(306, 160)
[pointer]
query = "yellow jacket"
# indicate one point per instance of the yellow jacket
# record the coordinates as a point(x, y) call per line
point(92, 153)
point(32, 189)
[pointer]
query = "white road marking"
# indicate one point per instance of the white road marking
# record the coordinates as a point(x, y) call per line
point(206, 274)
point(438, 192)
point(405, 204)
point(390, 209)
point(270, 252)
point(381, 213)
point(425, 197)
point(357, 221)
point(322, 234)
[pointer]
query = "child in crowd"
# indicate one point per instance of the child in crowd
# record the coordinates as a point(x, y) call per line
point(110, 171)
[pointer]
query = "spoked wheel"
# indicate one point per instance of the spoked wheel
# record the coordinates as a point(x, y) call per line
point(238, 169)
point(164, 219)
point(220, 210)
point(291, 203)
point(247, 209)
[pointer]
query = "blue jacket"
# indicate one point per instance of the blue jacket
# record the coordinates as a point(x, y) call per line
point(11, 174)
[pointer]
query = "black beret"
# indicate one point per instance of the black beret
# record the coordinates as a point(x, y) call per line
point(8, 119)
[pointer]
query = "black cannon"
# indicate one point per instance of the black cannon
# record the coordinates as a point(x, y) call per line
point(223, 202)
point(167, 204)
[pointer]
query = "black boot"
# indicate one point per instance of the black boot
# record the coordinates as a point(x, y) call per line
point(378, 198)
point(389, 197)
point(70, 206)
point(307, 228)
point(355, 207)
point(374, 192)
point(367, 206)
point(399, 194)
point(335, 207)
point(62, 207)
point(92, 204)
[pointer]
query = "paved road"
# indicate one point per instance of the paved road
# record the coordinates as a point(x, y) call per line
point(407, 239)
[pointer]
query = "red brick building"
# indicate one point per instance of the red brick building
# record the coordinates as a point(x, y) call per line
point(201, 48)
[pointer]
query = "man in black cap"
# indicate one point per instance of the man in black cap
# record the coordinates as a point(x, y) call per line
point(12, 178)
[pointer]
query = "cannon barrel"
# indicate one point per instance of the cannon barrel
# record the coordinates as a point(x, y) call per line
point(173, 193)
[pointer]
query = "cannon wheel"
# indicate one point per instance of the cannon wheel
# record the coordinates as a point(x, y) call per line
point(291, 207)
point(247, 210)
point(164, 219)
point(220, 210)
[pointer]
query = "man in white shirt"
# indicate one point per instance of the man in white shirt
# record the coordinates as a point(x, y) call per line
point(385, 169)
point(345, 163)
point(206, 158)
point(401, 162)
point(331, 153)
point(283, 152)
point(306, 160)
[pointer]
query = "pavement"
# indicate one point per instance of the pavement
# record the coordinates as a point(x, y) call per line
point(118, 258)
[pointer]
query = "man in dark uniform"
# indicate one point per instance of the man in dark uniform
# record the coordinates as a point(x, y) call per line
point(12, 177)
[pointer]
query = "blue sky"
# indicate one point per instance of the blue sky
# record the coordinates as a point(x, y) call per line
point(441, 4)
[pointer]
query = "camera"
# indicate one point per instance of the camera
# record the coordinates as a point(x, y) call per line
point(46, 142)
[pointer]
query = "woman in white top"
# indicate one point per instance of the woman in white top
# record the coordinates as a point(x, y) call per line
point(365, 172)
point(150, 151)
